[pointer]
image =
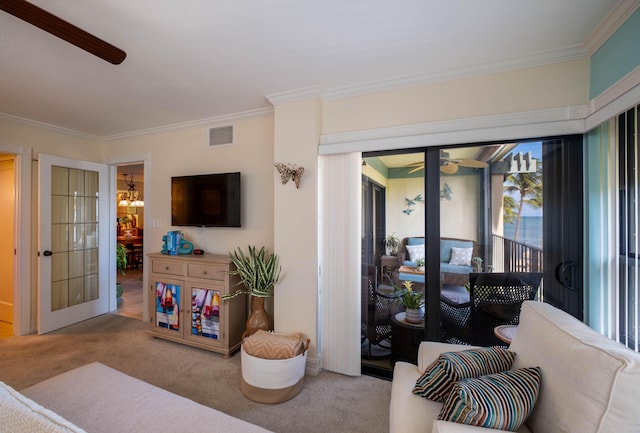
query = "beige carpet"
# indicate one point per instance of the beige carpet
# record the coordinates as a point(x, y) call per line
point(329, 402)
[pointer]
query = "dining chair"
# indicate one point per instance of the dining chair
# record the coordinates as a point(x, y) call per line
point(495, 298)
point(378, 304)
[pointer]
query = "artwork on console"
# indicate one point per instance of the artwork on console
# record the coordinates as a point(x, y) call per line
point(167, 306)
point(205, 313)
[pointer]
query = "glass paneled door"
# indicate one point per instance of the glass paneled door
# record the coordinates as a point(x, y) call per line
point(73, 242)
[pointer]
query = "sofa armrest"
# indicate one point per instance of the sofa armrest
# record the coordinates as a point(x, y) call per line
point(452, 427)
point(429, 351)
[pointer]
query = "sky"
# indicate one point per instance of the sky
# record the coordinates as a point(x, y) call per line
point(536, 151)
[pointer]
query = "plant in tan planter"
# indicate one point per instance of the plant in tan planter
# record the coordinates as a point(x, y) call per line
point(258, 272)
point(413, 300)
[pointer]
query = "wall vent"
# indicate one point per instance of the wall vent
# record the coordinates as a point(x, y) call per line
point(220, 136)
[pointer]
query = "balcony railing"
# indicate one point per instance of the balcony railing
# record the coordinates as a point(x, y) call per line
point(513, 256)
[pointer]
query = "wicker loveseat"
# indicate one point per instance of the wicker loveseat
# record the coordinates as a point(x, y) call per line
point(450, 273)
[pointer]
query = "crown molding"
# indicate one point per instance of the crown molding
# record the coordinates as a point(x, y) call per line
point(295, 95)
point(542, 58)
point(49, 126)
point(212, 121)
point(612, 22)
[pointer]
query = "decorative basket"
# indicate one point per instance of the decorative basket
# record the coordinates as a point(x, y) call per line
point(272, 380)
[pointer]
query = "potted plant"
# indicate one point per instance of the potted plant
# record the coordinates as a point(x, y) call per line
point(392, 243)
point(121, 264)
point(413, 301)
point(420, 264)
point(258, 273)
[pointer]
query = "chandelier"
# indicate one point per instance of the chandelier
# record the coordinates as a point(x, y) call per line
point(131, 197)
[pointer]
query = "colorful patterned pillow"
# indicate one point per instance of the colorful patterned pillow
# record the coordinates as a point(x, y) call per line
point(438, 379)
point(500, 401)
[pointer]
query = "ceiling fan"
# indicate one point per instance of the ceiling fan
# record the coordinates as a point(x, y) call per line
point(63, 29)
point(449, 165)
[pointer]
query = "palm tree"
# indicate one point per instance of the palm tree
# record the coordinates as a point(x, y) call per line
point(527, 188)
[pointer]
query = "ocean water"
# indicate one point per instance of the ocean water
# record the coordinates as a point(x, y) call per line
point(530, 231)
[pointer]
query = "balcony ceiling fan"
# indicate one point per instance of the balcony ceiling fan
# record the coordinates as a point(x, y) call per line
point(449, 165)
point(63, 29)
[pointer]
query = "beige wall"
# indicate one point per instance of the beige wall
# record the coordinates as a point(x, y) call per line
point(543, 87)
point(48, 141)
point(186, 152)
point(297, 132)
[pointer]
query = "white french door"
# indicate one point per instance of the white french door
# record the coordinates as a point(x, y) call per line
point(73, 241)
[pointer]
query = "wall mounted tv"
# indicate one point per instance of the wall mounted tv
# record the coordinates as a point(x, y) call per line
point(207, 200)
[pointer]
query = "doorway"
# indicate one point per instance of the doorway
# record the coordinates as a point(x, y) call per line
point(130, 239)
point(7, 229)
point(469, 198)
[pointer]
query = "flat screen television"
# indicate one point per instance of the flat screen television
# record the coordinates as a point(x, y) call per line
point(207, 200)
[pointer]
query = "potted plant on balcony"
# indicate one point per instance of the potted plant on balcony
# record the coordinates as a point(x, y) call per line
point(121, 264)
point(392, 243)
point(258, 273)
point(413, 301)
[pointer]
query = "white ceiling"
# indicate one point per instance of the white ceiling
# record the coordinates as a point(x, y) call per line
point(193, 60)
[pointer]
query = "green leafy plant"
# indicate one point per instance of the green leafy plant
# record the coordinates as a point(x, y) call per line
point(411, 298)
point(258, 272)
point(121, 258)
point(420, 262)
point(392, 242)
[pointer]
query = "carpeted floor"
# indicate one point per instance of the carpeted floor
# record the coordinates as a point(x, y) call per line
point(329, 402)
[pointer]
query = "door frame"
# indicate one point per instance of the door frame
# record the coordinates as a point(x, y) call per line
point(23, 323)
point(113, 162)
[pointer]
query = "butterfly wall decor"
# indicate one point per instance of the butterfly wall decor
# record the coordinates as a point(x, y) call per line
point(289, 172)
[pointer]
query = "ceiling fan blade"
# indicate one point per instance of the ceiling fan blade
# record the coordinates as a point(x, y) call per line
point(416, 169)
point(63, 29)
point(449, 168)
point(471, 163)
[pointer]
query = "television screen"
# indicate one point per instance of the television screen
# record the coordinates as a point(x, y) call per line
point(207, 200)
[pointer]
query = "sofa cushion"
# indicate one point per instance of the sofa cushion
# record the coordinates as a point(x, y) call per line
point(408, 412)
point(415, 241)
point(461, 256)
point(591, 383)
point(415, 252)
point(438, 379)
point(500, 401)
point(447, 244)
point(20, 414)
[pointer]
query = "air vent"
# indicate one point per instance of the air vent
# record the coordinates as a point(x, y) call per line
point(220, 136)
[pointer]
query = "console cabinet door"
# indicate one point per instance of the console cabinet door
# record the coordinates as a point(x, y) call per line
point(166, 305)
point(205, 313)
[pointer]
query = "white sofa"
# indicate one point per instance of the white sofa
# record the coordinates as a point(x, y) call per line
point(97, 398)
point(589, 383)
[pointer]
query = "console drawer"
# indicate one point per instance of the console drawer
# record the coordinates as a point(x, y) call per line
point(207, 271)
point(167, 267)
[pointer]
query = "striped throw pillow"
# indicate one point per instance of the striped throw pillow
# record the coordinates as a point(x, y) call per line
point(438, 379)
point(500, 401)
